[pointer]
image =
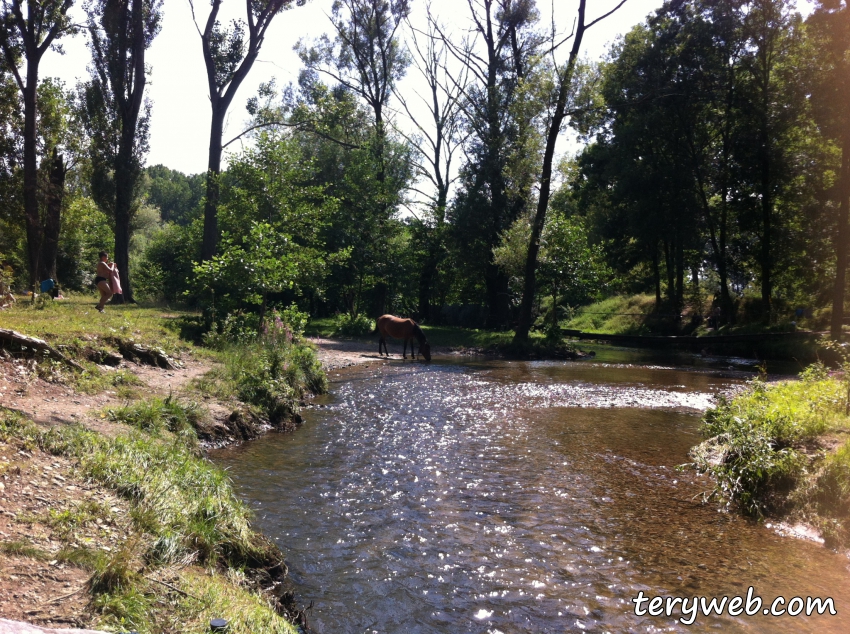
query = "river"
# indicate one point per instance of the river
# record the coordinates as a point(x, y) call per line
point(506, 496)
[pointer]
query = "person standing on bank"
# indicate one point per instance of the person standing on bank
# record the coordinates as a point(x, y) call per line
point(106, 279)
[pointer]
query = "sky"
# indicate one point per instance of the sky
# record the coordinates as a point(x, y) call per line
point(177, 85)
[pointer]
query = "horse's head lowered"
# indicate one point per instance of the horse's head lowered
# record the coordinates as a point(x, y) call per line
point(425, 350)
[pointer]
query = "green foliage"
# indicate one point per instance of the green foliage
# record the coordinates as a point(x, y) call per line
point(353, 325)
point(717, 170)
point(569, 269)
point(615, 315)
point(237, 328)
point(86, 230)
point(271, 224)
point(165, 267)
point(273, 376)
point(368, 262)
point(176, 195)
point(157, 414)
point(753, 439)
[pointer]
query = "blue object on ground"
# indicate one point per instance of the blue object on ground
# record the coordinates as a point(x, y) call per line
point(46, 285)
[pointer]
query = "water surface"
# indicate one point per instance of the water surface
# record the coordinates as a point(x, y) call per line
point(516, 497)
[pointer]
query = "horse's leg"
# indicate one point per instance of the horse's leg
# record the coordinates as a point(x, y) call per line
point(412, 349)
point(381, 341)
point(404, 351)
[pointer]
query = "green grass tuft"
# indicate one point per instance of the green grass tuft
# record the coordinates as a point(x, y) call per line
point(759, 445)
point(273, 377)
point(175, 495)
point(621, 314)
point(156, 415)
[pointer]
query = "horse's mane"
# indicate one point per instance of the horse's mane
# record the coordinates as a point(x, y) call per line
point(419, 334)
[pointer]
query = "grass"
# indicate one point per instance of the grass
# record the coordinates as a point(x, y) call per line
point(185, 520)
point(77, 556)
point(273, 376)
point(621, 314)
point(442, 336)
point(156, 415)
point(75, 323)
point(183, 511)
point(781, 449)
point(94, 381)
point(453, 337)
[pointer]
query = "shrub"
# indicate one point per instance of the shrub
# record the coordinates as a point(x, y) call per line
point(353, 326)
point(274, 375)
point(751, 448)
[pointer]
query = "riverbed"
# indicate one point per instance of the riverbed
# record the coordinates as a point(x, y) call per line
point(508, 496)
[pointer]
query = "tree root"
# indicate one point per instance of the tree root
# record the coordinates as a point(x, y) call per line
point(25, 341)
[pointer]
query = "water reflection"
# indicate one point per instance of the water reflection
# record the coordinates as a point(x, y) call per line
point(514, 497)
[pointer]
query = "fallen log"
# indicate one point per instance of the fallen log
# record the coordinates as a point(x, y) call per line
point(25, 341)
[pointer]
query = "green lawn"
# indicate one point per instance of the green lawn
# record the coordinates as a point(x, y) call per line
point(74, 320)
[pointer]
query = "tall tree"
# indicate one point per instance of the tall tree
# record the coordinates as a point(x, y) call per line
point(559, 112)
point(60, 145)
point(436, 143)
point(769, 28)
point(29, 37)
point(228, 57)
point(496, 179)
point(367, 57)
point(116, 114)
point(830, 24)
point(336, 133)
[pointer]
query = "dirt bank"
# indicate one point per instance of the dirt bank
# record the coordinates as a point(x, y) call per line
point(54, 521)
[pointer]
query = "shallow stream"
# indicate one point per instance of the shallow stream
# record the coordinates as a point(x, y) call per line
point(500, 496)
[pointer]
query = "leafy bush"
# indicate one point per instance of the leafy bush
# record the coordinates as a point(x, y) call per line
point(834, 482)
point(747, 465)
point(751, 448)
point(238, 328)
point(166, 265)
point(350, 326)
point(274, 376)
point(242, 328)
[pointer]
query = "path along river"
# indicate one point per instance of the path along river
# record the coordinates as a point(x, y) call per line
point(499, 496)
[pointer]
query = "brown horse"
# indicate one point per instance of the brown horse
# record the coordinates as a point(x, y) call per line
point(407, 329)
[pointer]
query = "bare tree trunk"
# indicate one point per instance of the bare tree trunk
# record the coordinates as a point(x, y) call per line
point(31, 214)
point(52, 217)
point(680, 272)
point(766, 217)
point(565, 79)
point(124, 187)
point(210, 239)
point(656, 274)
